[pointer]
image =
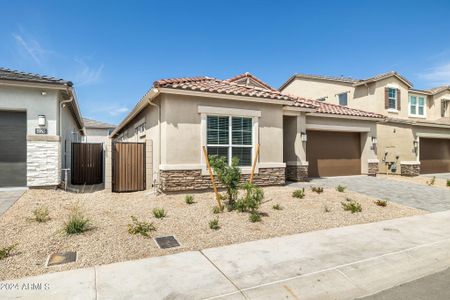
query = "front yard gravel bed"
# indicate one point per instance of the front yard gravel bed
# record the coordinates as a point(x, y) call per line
point(109, 241)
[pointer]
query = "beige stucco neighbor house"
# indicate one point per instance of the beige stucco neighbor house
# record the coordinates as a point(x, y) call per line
point(415, 136)
point(39, 119)
point(177, 117)
point(97, 131)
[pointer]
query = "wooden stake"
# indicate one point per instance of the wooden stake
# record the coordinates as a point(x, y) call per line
point(254, 163)
point(211, 176)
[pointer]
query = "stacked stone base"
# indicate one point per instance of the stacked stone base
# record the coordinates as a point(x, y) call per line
point(43, 163)
point(193, 180)
point(372, 168)
point(410, 170)
point(297, 173)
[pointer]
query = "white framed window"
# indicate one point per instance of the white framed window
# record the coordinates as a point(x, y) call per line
point(230, 136)
point(343, 99)
point(417, 106)
point(139, 128)
point(392, 98)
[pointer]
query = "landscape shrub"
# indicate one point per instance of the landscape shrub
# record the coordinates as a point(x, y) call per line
point(431, 181)
point(41, 214)
point(299, 193)
point(229, 176)
point(382, 203)
point(252, 198)
point(140, 227)
point(6, 251)
point(448, 182)
point(341, 188)
point(214, 224)
point(217, 210)
point(159, 213)
point(77, 221)
point(317, 189)
point(189, 199)
point(277, 207)
point(254, 217)
point(352, 206)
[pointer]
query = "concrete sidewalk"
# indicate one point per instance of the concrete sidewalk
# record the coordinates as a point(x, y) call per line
point(339, 263)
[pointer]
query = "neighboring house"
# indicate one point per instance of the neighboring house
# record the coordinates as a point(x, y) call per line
point(298, 137)
point(39, 119)
point(414, 138)
point(96, 131)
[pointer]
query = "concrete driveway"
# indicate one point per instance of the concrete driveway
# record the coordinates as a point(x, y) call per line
point(411, 194)
point(8, 196)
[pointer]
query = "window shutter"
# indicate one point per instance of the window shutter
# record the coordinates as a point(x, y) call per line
point(399, 100)
point(386, 98)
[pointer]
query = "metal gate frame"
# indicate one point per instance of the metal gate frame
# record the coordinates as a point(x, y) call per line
point(101, 162)
point(113, 168)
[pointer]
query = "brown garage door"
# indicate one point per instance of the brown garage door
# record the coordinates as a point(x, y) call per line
point(434, 155)
point(333, 153)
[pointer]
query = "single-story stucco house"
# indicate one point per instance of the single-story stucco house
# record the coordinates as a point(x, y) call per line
point(39, 119)
point(298, 137)
point(97, 131)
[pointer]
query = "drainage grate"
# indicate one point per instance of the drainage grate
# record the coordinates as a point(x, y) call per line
point(165, 242)
point(61, 258)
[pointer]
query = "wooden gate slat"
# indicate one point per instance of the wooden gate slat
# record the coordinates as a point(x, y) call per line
point(128, 167)
point(87, 163)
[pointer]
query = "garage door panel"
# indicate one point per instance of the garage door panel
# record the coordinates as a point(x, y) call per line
point(333, 153)
point(434, 155)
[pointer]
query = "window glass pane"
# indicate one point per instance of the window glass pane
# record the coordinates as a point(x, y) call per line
point(241, 131)
point(421, 101)
point(413, 100)
point(421, 110)
point(219, 151)
point(244, 154)
point(217, 130)
point(392, 93)
point(343, 99)
point(392, 103)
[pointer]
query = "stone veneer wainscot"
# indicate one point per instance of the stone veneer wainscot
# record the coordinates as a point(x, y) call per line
point(43, 163)
point(187, 180)
point(410, 168)
point(296, 172)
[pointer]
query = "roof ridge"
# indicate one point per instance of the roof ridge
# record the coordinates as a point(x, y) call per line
point(31, 74)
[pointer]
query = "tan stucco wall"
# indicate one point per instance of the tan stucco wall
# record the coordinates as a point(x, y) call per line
point(435, 105)
point(294, 151)
point(96, 135)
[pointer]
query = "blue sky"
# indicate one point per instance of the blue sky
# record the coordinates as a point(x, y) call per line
point(114, 50)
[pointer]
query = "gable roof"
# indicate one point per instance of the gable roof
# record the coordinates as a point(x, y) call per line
point(14, 75)
point(439, 89)
point(89, 123)
point(384, 76)
point(250, 80)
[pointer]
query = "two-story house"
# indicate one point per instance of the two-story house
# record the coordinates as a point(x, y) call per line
point(414, 138)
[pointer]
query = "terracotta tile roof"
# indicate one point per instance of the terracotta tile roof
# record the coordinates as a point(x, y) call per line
point(335, 109)
point(332, 78)
point(89, 123)
point(439, 89)
point(250, 80)
point(382, 76)
point(7, 74)
point(213, 85)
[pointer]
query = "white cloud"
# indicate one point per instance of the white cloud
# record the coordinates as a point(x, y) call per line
point(113, 110)
point(87, 75)
point(118, 111)
point(30, 48)
point(438, 75)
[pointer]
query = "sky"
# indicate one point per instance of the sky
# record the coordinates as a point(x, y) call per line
point(114, 50)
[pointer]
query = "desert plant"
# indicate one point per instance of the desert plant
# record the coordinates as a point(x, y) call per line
point(140, 227)
point(431, 181)
point(251, 200)
point(229, 176)
point(351, 206)
point(341, 188)
point(317, 189)
point(382, 203)
point(217, 210)
point(254, 217)
point(41, 214)
point(299, 193)
point(159, 212)
point(326, 209)
point(277, 207)
point(448, 182)
point(189, 199)
point(6, 251)
point(77, 221)
point(214, 224)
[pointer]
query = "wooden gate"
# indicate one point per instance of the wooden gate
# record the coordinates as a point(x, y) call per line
point(128, 167)
point(87, 163)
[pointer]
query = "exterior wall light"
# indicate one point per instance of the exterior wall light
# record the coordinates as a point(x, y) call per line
point(374, 140)
point(303, 136)
point(41, 120)
point(416, 144)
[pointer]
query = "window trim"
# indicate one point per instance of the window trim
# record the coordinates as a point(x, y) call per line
point(339, 101)
point(417, 115)
point(392, 98)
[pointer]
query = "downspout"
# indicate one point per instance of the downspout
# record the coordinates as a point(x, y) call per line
point(61, 105)
point(159, 130)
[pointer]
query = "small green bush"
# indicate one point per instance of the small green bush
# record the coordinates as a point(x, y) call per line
point(41, 214)
point(140, 227)
point(229, 176)
point(299, 193)
point(217, 210)
point(431, 181)
point(159, 213)
point(448, 182)
point(6, 251)
point(77, 222)
point(214, 224)
point(382, 203)
point(254, 217)
point(189, 199)
point(277, 207)
point(341, 188)
point(351, 206)
point(317, 189)
point(252, 199)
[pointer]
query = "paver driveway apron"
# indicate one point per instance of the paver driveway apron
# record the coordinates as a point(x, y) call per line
point(8, 196)
point(429, 198)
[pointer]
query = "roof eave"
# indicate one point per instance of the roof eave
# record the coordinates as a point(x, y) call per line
point(341, 116)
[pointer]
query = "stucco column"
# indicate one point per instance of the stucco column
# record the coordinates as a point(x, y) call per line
point(296, 164)
point(108, 165)
point(148, 164)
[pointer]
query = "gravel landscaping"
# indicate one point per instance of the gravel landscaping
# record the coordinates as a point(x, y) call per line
point(109, 241)
point(424, 180)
